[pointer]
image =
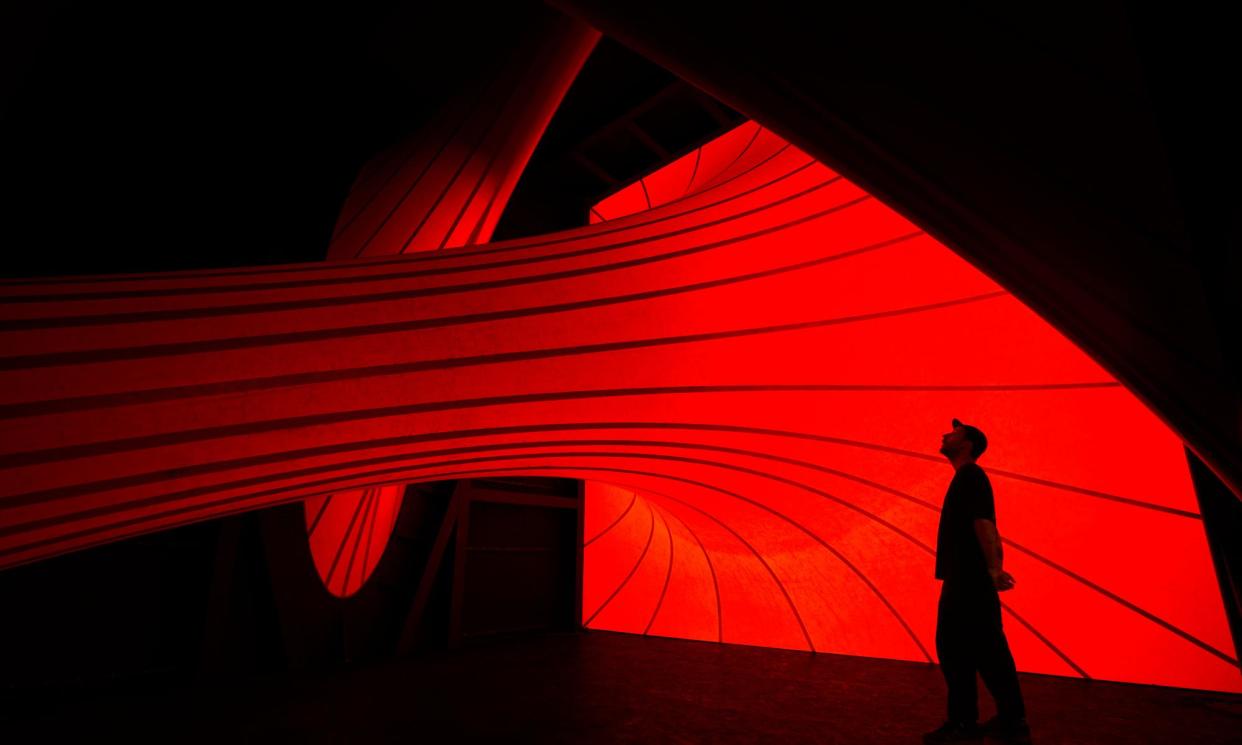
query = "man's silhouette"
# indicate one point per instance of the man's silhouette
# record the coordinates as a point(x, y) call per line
point(969, 635)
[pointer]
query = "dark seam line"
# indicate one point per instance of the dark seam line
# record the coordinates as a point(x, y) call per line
point(540, 62)
point(667, 574)
point(698, 156)
point(513, 245)
point(1038, 635)
point(185, 436)
point(52, 359)
point(61, 322)
point(372, 177)
point(402, 163)
point(461, 473)
point(806, 635)
point(474, 193)
point(184, 510)
point(605, 454)
point(646, 196)
point(98, 447)
point(711, 568)
point(1064, 657)
point(738, 157)
point(476, 472)
point(875, 518)
point(461, 168)
point(57, 406)
point(707, 189)
point(580, 233)
point(472, 238)
point(798, 485)
point(47, 495)
point(366, 553)
point(1146, 614)
point(839, 556)
point(588, 234)
point(318, 515)
point(711, 183)
point(1123, 602)
point(155, 395)
point(353, 552)
point(408, 469)
point(366, 176)
point(368, 515)
point(111, 354)
point(613, 524)
point(327, 580)
point(735, 177)
point(628, 577)
point(1152, 617)
point(288, 379)
point(1172, 342)
point(452, 135)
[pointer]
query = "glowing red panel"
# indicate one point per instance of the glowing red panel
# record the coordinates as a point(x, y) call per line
point(443, 187)
point(348, 532)
point(1084, 474)
point(760, 369)
point(447, 185)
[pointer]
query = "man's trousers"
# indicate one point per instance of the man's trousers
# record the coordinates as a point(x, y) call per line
point(969, 637)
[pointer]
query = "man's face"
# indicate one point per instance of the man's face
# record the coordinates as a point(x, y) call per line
point(954, 443)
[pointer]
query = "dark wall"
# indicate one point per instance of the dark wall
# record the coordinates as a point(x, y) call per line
point(240, 597)
point(190, 135)
point(120, 612)
point(195, 135)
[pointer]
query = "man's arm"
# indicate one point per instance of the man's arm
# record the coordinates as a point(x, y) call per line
point(989, 541)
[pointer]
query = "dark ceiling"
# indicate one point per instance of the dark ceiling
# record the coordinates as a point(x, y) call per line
point(622, 118)
point(211, 135)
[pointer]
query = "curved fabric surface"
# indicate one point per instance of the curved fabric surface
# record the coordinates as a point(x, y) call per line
point(1078, 166)
point(445, 186)
point(346, 551)
point(766, 362)
point(845, 568)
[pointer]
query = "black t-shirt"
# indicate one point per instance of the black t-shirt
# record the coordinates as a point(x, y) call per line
point(958, 553)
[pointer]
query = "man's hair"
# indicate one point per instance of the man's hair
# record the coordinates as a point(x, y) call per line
point(974, 435)
point(978, 443)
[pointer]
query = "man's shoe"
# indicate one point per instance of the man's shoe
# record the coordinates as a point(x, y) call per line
point(1014, 730)
point(954, 732)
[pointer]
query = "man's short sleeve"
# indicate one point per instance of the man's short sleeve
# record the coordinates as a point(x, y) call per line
point(979, 496)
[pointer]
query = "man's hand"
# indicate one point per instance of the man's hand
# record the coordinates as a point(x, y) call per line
point(990, 542)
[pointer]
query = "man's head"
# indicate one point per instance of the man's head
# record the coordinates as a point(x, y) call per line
point(964, 441)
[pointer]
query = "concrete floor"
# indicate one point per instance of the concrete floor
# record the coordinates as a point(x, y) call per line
point(612, 688)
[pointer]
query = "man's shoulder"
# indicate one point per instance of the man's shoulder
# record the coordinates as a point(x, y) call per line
point(974, 469)
point(974, 473)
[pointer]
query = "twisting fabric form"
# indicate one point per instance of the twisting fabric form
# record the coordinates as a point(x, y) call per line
point(752, 373)
point(445, 186)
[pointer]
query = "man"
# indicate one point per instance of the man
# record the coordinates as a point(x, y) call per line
point(969, 635)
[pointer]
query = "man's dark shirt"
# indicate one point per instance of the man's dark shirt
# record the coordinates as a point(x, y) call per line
point(958, 553)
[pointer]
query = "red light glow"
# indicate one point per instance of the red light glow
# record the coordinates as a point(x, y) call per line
point(754, 375)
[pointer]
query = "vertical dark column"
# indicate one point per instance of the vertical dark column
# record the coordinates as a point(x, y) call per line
point(580, 545)
point(1222, 521)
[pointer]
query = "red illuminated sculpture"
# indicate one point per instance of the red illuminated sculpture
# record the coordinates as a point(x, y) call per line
point(743, 354)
